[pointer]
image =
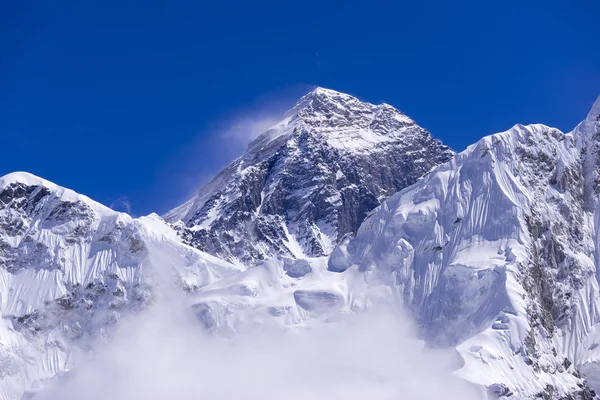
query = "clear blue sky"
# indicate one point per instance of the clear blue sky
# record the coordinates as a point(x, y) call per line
point(129, 99)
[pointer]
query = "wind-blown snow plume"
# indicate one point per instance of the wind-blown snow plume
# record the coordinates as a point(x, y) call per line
point(222, 141)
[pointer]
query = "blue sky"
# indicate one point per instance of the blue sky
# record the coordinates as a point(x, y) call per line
point(136, 101)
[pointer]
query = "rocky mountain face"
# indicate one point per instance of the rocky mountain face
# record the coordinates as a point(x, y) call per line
point(308, 181)
point(69, 269)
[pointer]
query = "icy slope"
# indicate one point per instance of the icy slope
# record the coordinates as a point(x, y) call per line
point(69, 267)
point(309, 180)
point(497, 252)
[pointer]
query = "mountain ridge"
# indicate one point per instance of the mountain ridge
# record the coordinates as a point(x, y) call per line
point(495, 252)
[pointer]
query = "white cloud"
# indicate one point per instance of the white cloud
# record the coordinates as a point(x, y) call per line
point(164, 354)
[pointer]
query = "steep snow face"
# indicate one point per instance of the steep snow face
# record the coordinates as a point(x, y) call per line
point(69, 268)
point(497, 252)
point(309, 180)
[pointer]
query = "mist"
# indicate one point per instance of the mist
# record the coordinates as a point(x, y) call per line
point(164, 354)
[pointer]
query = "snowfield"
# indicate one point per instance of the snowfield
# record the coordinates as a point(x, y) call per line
point(476, 277)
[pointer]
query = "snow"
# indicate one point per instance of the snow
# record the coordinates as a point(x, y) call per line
point(494, 253)
point(341, 132)
point(63, 193)
point(292, 243)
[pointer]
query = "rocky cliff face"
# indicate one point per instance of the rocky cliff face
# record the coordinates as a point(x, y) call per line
point(308, 181)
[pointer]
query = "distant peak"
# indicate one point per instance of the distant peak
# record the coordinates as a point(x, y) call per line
point(27, 179)
point(324, 92)
point(589, 128)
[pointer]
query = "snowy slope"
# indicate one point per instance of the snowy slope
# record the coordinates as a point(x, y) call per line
point(309, 180)
point(497, 252)
point(69, 268)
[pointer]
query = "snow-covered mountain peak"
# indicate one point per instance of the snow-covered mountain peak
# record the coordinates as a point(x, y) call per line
point(309, 180)
point(26, 178)
point(590, 127)
point(344, 121)
point(323, 100)
point(324, 93)
point(497, 251)
point(591, 121)
point(17, 184)
point(70, 267)
point(343, 204)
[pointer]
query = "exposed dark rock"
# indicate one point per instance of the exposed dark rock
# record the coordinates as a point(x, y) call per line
point(310, 179)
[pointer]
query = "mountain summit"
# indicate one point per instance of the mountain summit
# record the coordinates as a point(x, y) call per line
point(309, 180)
